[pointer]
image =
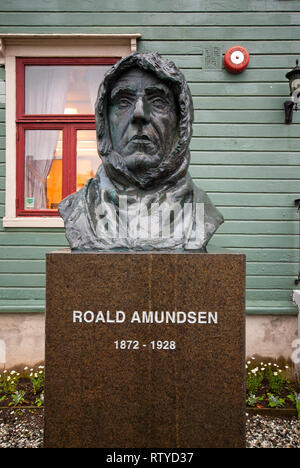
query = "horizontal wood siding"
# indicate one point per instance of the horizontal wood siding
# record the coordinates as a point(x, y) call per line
point(242, 153)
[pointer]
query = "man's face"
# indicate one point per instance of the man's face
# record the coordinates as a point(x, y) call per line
point(142, 119)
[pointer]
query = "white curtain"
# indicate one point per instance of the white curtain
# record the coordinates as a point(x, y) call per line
point(39, 150)
point(94, 76)
point(45, 90)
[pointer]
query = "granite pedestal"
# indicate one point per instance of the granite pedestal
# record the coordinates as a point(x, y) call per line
point(99, 395)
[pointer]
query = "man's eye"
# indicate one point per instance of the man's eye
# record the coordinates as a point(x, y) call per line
point(124, 102)
point(158, 102)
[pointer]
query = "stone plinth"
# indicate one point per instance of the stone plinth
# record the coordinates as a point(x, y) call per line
point(99, 396)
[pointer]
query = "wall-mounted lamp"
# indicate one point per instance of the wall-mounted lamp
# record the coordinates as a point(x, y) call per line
point(297, 281)
point(294, 78)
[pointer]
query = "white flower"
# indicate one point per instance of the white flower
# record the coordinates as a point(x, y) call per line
point(25, 368)
point(275, 373)
point(286, 367)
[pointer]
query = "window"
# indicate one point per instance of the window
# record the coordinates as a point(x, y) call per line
point(55, 124)
point(74, 50)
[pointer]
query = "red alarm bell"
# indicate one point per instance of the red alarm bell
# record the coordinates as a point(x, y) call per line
point(236, 59)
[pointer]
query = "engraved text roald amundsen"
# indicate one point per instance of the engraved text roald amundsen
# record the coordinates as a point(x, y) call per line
point(119, 316)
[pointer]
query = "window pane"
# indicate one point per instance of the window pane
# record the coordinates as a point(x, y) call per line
point(62, 89)
point(43, 169)
point(87, 157)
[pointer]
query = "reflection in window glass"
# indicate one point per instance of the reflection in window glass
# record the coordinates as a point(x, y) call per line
point(62, 89)
point(43, 169)
point(87, 157)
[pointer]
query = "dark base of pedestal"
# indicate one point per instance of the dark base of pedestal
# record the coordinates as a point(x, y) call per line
point(131, 384)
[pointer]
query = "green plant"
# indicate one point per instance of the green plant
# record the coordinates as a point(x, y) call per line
point(252, 400)
point(276, 380)
point(39, 401)
point(17, 398)
point(295, 398)
point(274, 401)
point(9, 382)
point(254, 379)
point(289, 386)
point(37, 380)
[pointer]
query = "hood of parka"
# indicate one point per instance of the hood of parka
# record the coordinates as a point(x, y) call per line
point(173, 165)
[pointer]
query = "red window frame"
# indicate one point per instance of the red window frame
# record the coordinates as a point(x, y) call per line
point(68, 123)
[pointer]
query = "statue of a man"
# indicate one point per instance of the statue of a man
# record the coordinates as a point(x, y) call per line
point(142, 197)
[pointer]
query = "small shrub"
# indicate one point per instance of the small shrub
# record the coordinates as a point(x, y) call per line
point(295, 398)
point(39, 401)
point(275, 401)
point(252, 400)
point(9, 382)
point(17, 388)
point(254, 379)
point(17, 398)
point(276, 380)
point(37, 379)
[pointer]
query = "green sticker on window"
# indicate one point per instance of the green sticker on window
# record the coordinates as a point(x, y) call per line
point(29, 203)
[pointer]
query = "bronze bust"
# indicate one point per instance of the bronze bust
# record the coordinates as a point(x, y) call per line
point(142, 197)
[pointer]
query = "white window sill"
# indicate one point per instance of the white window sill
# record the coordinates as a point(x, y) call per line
point(50, 222)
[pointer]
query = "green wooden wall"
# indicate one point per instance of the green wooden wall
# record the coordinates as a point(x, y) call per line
point(242, 152)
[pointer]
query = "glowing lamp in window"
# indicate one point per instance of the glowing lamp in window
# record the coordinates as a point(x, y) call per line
point(70, 110)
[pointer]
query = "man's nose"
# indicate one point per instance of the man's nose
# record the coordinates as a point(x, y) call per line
point(140, 112)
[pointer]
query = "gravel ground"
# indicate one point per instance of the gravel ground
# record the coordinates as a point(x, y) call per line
point(25, 430)
point(267, 432)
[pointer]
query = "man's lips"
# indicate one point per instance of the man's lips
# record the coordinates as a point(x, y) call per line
point(140, 139)
point(141, 144)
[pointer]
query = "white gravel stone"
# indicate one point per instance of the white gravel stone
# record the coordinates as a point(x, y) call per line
point(267, 432)
point(26, 431)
